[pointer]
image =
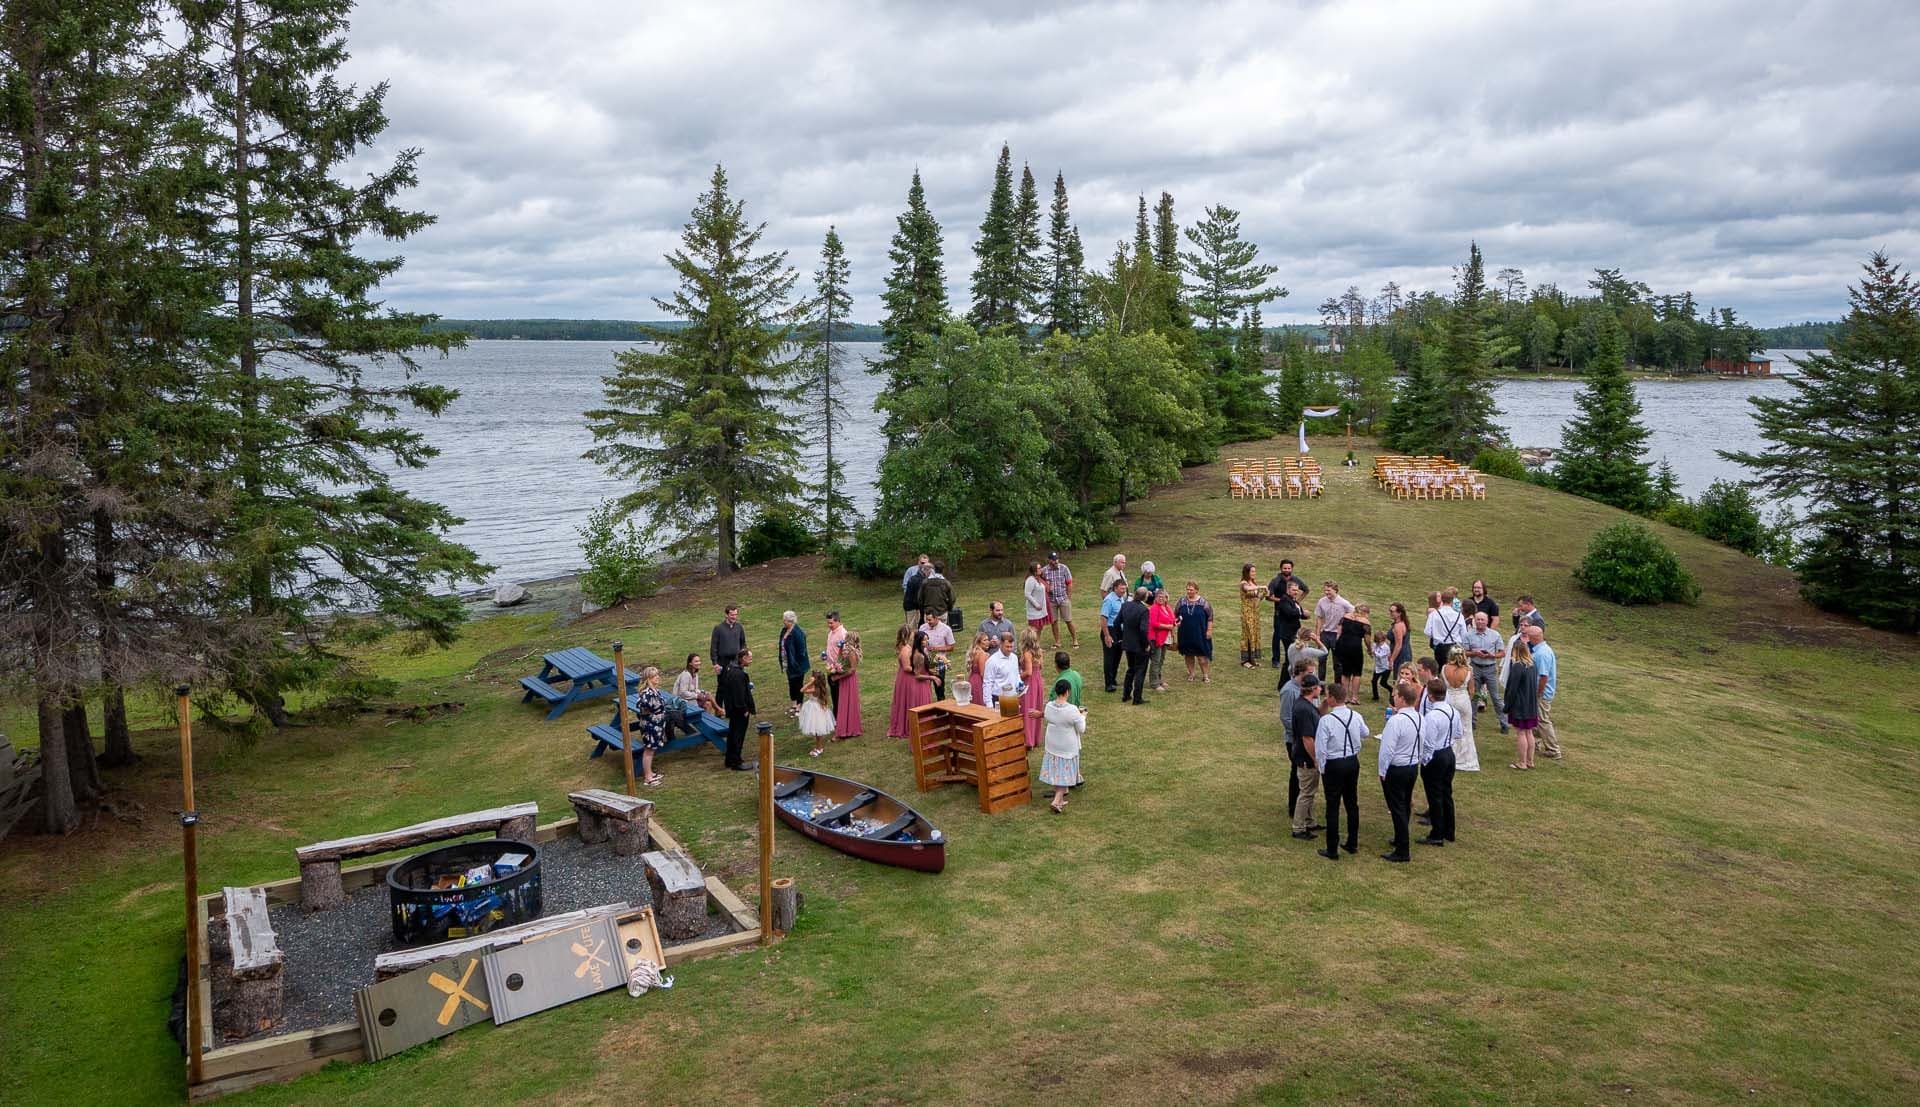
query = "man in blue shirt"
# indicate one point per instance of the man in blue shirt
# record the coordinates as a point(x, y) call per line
point(1110, 630)
point(1548, 666)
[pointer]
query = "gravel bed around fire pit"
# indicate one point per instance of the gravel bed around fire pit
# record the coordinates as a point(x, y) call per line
point(330, 954)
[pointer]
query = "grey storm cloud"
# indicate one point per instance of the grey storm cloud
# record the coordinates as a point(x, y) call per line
point(1754, 153)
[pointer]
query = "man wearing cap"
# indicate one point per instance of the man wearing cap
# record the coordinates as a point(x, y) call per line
point(1059, 580)
point(1305, 721)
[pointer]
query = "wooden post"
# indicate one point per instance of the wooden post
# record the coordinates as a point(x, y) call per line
point(189, 822)
point(766, 833)
point(1349, 432)
point(620, 712)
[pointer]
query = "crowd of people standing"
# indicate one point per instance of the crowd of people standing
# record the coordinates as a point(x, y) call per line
point(1425, 737)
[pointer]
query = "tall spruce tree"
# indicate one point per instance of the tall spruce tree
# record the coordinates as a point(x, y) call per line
point(103, 509)
point(822, 382)
point(316, 520)
point(1064, 310)
point(1460, 419)
point(1030, 273)
point(997, 295)
point(1142, 237)
point(1847, 439)
point(915, 297)
point(1602, 448)
point(702, 423)
point(1166, 258)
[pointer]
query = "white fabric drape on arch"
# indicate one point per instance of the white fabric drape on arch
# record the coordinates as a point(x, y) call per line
point(1312, 413)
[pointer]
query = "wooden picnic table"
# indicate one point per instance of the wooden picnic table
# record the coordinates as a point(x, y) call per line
point(586, 675)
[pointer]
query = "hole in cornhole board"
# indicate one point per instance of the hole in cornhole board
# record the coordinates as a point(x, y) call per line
point(388, 1016)
point(515, 982)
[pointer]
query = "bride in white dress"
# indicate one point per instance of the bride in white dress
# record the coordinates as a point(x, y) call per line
point(1459, 677)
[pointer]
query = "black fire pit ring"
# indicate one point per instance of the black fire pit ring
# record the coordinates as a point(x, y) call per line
point(489, 895)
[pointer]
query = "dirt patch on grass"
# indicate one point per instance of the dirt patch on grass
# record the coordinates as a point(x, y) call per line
point(1224, 1064)
point(1272, 541)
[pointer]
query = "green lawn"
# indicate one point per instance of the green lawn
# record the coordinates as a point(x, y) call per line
point(1713, 899)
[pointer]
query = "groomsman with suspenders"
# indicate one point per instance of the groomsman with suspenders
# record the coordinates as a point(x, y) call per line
point(1440, 727)
point(1336, 751)
point(1400, 767)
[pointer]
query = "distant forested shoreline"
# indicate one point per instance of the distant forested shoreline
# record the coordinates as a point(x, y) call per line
point(1793, 336)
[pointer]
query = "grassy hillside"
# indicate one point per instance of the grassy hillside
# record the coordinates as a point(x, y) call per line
point(1712, 899)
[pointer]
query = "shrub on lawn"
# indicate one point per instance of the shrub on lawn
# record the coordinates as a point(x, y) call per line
point(1499, 461)
point(621, 560)
point(1628, 564)
point(775, 534)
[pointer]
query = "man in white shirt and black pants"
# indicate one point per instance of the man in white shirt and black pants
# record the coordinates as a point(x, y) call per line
point(1440, 728)
point(1446, 628)
point(1336, 753)
point(1400, 766)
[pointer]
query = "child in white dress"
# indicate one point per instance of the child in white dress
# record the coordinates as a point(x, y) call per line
point(816, 712)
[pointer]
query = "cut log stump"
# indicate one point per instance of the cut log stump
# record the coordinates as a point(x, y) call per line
point(611, 816)
point(679, 894)
point(786, 905)
point(249, 965)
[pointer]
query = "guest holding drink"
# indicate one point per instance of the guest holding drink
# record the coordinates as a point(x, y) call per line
point(846, 683)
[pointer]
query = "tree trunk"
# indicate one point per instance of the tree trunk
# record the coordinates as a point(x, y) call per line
point(113, 712)
point(83, 768)
point(113, 699)
point(261, 689)
point(61, 815)
point(1123, 494)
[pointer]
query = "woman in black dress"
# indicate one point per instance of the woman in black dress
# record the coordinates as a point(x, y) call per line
point(1350, 649)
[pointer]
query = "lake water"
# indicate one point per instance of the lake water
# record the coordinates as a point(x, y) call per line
point(510, 448)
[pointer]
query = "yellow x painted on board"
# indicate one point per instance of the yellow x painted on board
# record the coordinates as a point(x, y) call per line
point(592, 958)
point(456, 992)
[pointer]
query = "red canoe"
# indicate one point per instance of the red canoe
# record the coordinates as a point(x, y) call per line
point(857, 820)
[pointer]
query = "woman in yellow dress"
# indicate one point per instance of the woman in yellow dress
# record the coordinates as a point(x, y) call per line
point(1251, 593)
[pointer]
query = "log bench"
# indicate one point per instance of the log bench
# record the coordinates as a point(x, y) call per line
point(679, 894)
point(611, 815)
point(320, 862)
point(251, 965)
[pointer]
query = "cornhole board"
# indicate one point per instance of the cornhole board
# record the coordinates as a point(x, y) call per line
point(640, 941)
point(554, 969)
point(432, 1002)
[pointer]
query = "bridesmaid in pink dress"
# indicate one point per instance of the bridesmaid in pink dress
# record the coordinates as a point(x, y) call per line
point(977, 666)
point(912, 682)
point(1032, 701)
point(846, 718)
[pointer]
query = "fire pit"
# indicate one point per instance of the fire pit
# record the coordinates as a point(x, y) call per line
point(464, 889)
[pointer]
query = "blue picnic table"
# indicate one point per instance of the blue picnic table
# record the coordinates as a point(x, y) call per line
point(706, 728)
point(586, 675)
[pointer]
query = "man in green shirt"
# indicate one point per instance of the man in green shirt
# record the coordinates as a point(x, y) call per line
point(1065, 664)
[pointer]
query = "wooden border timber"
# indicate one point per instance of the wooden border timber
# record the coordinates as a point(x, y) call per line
point(287, 1056)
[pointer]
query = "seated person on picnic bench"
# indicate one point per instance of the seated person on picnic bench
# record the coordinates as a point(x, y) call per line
point(686, 689)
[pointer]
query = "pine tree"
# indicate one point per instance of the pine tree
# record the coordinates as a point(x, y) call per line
point(1227, 277)
point(1064, 310)
point(702, 423)
point(997, 298)
point(1602, 446)
point(823, 380)
point(1409, 422)
point(1030, 272)
point(1291, 395)
point(316, 520)
point(1666, 486)
point(1847, 440)
point(1142, 238)
point(1462, 412)
point(915, 297)
point(1228, 280)
point(1166, 258)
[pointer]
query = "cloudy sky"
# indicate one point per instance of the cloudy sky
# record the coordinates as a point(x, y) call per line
point(1752, 152)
